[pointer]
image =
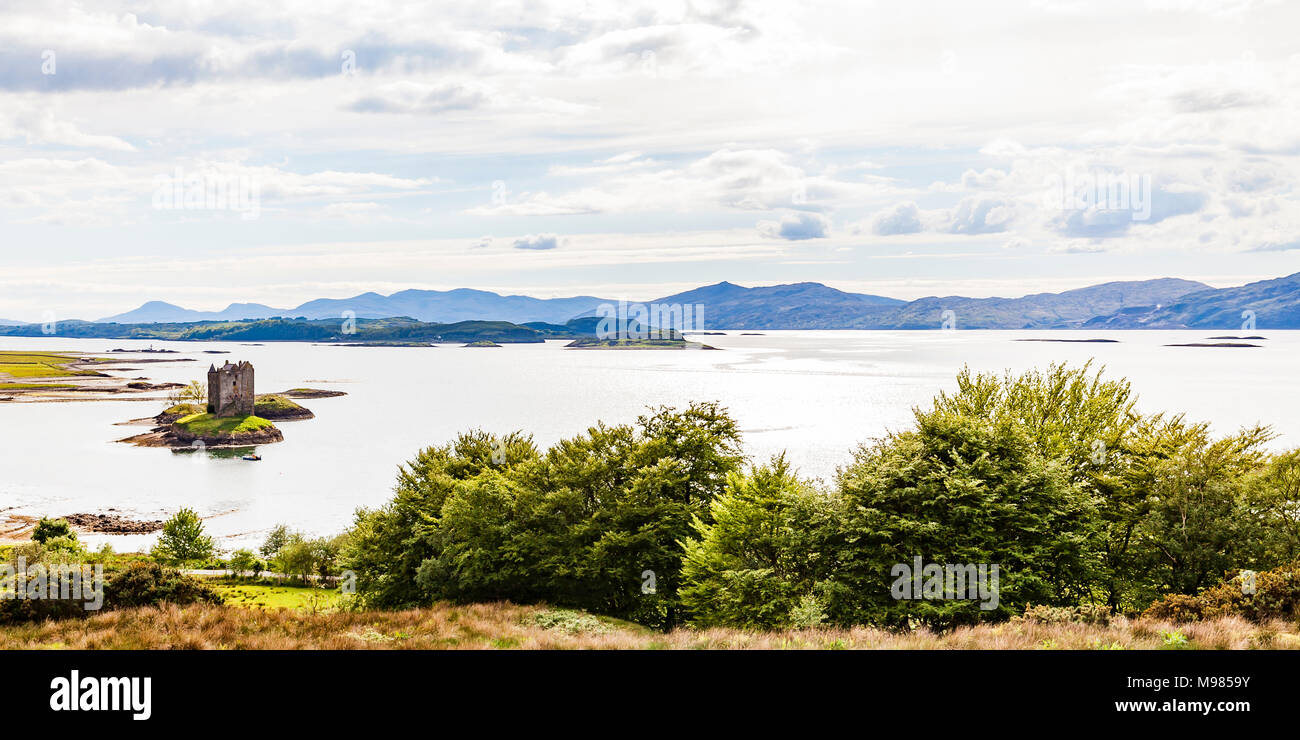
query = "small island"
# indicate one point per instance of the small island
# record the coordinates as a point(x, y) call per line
point(233, 415)
point(483, 343)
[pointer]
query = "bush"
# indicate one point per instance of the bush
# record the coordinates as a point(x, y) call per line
point(1176, 608)
point(1087, 614)
point(150, 584)
point(1276, 596)
point(48, 529)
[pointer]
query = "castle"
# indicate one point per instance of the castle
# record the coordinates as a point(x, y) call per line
point(230, 390)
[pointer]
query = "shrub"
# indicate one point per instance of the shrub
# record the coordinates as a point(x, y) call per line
point(1276, 596)
point(1086, 614)
point(149, 584)
point(48, 529)
point(1176, 608)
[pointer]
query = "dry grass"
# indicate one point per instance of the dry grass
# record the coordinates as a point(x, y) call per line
point(505, 626)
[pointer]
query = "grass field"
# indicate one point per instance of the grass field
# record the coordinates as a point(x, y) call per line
point(505, 626)
point(38, 365)
point(266, 596)
point(207, 425)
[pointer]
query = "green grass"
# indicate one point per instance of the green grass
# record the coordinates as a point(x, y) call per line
point(184, 409)
point(207, 425)
point(35, 386)
point(270, 596)
point(273, 405)
point(38, 365)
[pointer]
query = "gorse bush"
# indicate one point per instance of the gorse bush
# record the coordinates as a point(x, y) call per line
point(150, 584)
point(1083, 505)
point(1275, 595)
point(1086, 614)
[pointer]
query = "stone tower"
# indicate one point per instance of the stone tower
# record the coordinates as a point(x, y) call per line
point(230, 390)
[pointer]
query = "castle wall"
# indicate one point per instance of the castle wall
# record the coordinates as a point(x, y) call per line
point(231, 390)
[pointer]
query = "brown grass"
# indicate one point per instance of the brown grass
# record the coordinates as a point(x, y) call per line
point(505, 626)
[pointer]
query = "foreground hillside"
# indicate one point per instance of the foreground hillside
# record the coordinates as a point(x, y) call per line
point(505, 626)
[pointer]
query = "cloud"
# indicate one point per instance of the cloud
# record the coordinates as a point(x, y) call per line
point(1077, 248)
point(1287, 246)
point(989, 178)
point(413, 97)
point(796, 227)
point(904, 218)
point(537, 241)
point(734, 179)
point(980, 216)
point(1206, 101)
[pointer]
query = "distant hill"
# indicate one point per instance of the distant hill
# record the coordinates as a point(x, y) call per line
point(1066, 310)
point(400, 330)
point(1165, 303)
point(448, 306)
point(158, 312)
point(793, 306)
point(1274, 303)
point(462, 304)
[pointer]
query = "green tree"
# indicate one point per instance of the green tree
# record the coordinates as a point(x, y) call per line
point(387, 546)
point(182, 539)
point(1274, 492)
point(193, 392)
point(958, 490)
point(756, 564)
point(243, 561)
point(1200, 522)
point(277, 538)
point(48, 529)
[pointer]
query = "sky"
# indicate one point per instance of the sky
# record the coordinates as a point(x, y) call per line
point(277, 152)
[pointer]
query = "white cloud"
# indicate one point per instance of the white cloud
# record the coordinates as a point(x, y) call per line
point(796, 227)
point(538, 242)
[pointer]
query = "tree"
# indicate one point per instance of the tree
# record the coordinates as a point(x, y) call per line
point(958, 490)
point(757, 563)
point(1275, 492)
point(1200, 522)
point(243, 561)
point(387, 546)
point(193, 392)
point(48, 529)
point(182, 539)
point(277, 538)
point(488, 517)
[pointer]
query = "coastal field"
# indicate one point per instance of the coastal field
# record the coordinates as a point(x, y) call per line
point(507, 626)
point(25, 364)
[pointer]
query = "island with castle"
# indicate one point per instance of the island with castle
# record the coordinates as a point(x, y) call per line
point(234, 415)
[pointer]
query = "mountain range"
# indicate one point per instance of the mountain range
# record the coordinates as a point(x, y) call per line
point(1165, 303)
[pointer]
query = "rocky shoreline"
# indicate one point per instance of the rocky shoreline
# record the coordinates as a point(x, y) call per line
point(173, 438)
point(113, 524)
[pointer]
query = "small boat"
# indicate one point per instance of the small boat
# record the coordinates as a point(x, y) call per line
point(251, 458)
